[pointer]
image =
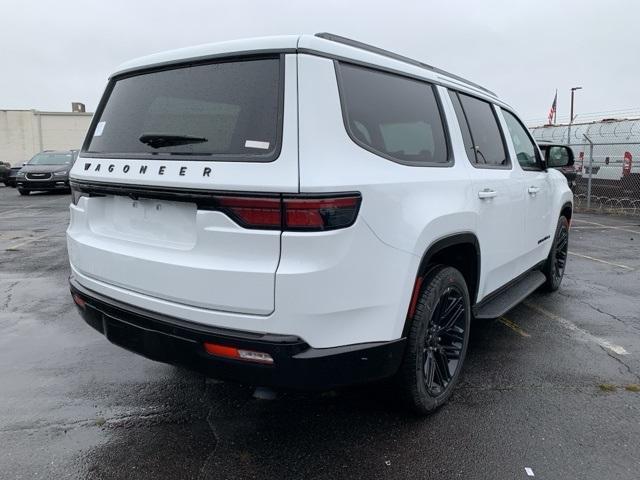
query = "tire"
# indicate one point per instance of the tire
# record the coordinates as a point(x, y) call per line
point(556, 262)
point(423, 380)
point(23, 192)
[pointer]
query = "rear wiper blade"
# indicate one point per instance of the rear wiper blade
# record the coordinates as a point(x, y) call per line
point(159, 140)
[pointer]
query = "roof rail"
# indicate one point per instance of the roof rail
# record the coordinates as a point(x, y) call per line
point(386, 53)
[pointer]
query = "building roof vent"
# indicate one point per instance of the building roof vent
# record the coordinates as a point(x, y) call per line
point(78, 107)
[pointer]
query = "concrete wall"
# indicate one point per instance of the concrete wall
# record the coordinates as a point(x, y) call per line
point(23, 133)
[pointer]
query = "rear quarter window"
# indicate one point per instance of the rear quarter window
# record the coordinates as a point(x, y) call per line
point(392, 116)
point(230, 110)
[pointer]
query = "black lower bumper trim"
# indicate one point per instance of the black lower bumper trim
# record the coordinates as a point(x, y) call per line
point(296, 365)
point(43, 185)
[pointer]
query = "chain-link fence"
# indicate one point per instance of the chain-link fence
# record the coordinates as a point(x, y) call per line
point(606, 174)
point(606, 178)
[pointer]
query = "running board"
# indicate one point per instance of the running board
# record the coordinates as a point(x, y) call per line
point(511, 296)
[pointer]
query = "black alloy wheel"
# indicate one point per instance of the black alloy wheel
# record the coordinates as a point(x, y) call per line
point(444, 341)
point(562, 247)
point(557, 261)
point(437, 340)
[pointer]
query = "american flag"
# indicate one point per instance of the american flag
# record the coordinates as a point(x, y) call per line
point(552, 111)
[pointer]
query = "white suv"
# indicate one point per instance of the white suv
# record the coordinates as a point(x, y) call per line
point(309, 212)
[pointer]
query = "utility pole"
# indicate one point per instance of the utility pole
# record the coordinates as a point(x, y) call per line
point(573, 91)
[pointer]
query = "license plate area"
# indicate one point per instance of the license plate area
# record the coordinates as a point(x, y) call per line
point(151, 222)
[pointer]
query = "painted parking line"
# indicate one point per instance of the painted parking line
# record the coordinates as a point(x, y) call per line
point(600, 260)
point(26, 242)
point(596, 225)
point(590, 223)
point(569, 325)
point(8, 233)
point(31, 205)
point(605, 227)
point(513, 326)
point(16, 210)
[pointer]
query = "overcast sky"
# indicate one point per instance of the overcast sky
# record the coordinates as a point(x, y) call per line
point(53, 53)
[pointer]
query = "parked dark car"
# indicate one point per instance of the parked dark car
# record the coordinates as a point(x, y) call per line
point(12, 176)
point(5, 168)
point(48, 170)
point(569, 171)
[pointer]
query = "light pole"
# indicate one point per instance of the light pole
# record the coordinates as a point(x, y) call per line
point(573, 91)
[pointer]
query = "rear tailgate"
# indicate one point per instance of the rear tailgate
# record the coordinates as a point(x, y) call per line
point(164, 151)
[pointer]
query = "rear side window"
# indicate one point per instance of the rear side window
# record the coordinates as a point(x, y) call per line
point(230, 110)
point(487, 141)
point(392, 116)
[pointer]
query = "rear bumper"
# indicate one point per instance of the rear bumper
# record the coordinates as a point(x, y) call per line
point(296, 365)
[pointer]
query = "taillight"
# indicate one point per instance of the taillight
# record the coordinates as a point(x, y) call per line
point(308, 213)
point(252, 212)
point(325, 213)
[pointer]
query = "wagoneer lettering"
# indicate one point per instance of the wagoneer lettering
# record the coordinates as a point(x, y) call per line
point(364, 209)
point(180, 169)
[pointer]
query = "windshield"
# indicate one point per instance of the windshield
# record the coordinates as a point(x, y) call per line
point(51, 158)
point(211, 111)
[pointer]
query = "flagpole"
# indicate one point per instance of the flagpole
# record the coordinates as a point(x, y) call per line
point(555, 113)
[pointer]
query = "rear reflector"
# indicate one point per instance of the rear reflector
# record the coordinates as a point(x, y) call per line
point(237, 353)
point(78, 300)
point(414, 297)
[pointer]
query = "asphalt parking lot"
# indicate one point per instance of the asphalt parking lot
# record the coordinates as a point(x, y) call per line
point(549, 387)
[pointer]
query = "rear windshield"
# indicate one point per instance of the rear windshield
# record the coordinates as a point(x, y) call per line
point(218, 111)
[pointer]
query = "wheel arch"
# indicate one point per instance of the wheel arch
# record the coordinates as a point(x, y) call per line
point(457, 247)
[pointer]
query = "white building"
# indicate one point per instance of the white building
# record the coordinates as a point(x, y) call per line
point(23, 133)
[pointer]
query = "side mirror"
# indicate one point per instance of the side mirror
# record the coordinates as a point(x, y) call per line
point(558, 156)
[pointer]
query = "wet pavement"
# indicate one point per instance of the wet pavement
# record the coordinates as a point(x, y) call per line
point(543, 388)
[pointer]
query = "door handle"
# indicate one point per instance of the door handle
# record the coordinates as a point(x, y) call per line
point(487, 193)
point(533, 190)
